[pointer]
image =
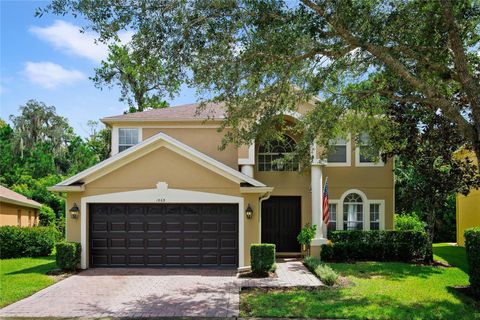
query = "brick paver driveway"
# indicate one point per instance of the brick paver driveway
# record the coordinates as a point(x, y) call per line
point(151, 293)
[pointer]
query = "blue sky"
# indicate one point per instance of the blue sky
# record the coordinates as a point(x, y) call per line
point(49, 60)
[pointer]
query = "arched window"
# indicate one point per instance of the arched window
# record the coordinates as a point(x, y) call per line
point(275, 155)
point(353, 212)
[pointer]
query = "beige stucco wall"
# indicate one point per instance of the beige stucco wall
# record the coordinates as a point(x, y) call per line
point(9, 212)
point(182, 173)
point(163, 165)
point(206, 140)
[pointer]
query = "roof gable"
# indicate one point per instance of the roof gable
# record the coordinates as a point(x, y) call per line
point(159, 140)
point(187, 112)
point(10, 196)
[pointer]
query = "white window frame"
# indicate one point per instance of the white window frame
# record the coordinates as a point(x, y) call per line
point(116, 137)
point(348, 161)
point(336, 202)
point(366, 209)
point(269, 153)
point(379, 163)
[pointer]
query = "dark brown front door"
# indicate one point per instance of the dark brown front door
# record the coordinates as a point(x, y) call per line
point(281, 222)
point(157, 235)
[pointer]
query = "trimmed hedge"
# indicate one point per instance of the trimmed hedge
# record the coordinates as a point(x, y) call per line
point(263, 258)
point(472, 246)
point(375, 245)
point(68, 255)
point(16, 242)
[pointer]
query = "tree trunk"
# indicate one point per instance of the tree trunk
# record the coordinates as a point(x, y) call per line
point(430, 233)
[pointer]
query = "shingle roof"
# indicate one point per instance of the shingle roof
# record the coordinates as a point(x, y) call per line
point(8, 195)
point(182, 112)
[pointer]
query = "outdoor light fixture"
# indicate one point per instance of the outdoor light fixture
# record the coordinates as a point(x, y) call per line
point(249, 212)
point(74, 211)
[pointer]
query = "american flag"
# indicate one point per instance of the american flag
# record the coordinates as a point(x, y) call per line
point(326, 215)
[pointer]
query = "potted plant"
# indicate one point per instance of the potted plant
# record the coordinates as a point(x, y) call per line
point(306, 236)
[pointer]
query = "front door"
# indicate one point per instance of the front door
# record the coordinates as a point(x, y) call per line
point(281, 222)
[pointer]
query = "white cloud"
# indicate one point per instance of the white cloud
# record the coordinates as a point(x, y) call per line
point(66, 37)
point(50, 75)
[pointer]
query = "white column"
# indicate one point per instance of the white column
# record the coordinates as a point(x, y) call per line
point(247, 169)
point(317, 208)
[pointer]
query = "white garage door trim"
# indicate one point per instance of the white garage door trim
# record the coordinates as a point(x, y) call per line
point(162, 194)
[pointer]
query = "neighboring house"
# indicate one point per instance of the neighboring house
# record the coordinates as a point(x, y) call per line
point(467, 207)
point(169, 197)
point(17, 210)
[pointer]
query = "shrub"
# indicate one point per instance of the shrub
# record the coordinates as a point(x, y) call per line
point(323, 272)
point(375, 245)
point(326, 274)
point(311, 262)
point(306, 236)
point(68, 255)
point(263, 258)
point(47, 216)
point(18, 242)
point(410, 221)
point(472, 246)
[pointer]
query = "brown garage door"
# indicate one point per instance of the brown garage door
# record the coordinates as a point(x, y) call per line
point(159, 235)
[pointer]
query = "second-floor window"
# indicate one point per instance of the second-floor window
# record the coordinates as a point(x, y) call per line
point(276, 155)
point(338, 153)
point(127, 137)
point(365, 155)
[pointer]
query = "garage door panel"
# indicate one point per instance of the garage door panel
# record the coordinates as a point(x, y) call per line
point(135, 226)
point(100, 243)
point(154, 235)
point(118, 243)
point(173, 226)
point(136, 243)
point(192, 243)
point(119, 226)
point(155, 243)
point(155, 227)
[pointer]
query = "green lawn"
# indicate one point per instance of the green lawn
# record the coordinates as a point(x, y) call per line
point(22, 277)
point(379, 291)
point(452, 255)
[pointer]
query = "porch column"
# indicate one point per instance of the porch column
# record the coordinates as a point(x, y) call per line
point(317, 208)
point(247, 169)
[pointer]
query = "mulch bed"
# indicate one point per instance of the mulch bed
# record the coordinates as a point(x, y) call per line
point(257, 276)
point(59, 274)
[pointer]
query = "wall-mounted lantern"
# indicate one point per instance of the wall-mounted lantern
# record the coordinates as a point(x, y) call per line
point(249, 212)
point(74, 211)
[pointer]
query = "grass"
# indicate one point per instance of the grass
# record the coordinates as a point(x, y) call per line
point(452, 255)
point(378, 291)
point(20, 278)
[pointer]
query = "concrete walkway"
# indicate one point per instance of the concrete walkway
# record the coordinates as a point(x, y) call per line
point(152, 293)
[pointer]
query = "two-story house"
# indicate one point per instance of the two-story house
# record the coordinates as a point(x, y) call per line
point(169, 197)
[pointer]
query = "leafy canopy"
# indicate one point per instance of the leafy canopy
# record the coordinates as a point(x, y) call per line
point(264, 57)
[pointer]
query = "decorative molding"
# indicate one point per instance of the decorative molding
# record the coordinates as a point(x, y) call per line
point(162, 188)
